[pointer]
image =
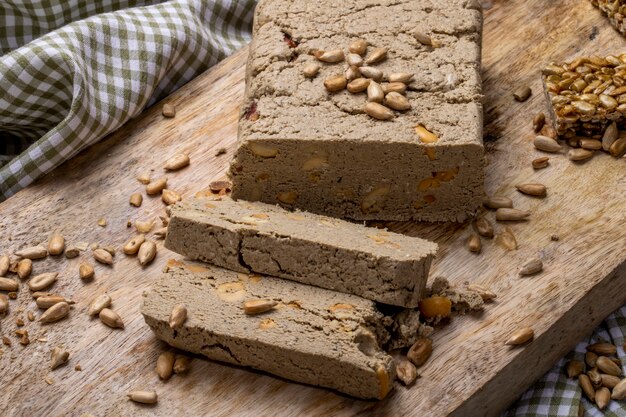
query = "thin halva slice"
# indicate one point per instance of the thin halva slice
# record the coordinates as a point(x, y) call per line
point(375, 264)
point(314, 336)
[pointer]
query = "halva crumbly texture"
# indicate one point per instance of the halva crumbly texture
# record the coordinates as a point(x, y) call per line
point(313, 335)
point(312, 249)
point(463, 300)
point(302, 146)
point(615, 10)
point(586, 95)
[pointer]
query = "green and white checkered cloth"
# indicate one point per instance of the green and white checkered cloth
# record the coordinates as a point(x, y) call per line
point(73, 71)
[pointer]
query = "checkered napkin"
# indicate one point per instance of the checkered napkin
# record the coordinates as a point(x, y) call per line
point(70, 87)
point(64, 86)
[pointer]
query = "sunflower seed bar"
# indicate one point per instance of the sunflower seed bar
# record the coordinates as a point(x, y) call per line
point(586, 94)
point(313, 336)
point(317, 147)
point(615, 10)
point(375, 264)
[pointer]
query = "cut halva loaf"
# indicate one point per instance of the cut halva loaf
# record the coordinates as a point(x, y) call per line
point(314, 336)
point(312, 249)
point(302, 146)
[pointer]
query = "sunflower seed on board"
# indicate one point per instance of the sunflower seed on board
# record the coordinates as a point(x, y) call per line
point(170, 197)
point(511, 214)
point(147, 252)
point(335, 83)
point(358, 46)
point(182, 365)
point(102, 222)
point(602, 348)
point(484, 227)
point(354, 60)
point(143, 397)
point(161, 233)
point(579, 154)
point(607, 366)
point(618, 148)
point(540, 163)
point(72, 252)
point(538, 121)
point(132, 246)
point(178, 316)
point(156, 186)
point(333, 56)
point(42, 281)
point(310, 70)
point(144, 226)
point(144, 178)
point(177, 162)
point(507, 239)
point(86, 271)
point(609, 136)
point(165, 365)
point(24, 268)
point(400, 77)
point(378, 111)
point(168, 110)
point(56, 244)
point(103, 256)
point(4, 304)
point(485, 293)
point(531, 267)
point(496, 202)
point(574, 368)
point(546, 144)
point(521, 336)
point(473, 243)
point(33, 252)
point(619, 391)
point(371, 73)
point(533, 189)
point(48, 301)
point(111, 318)
point(375, 92)
point(58, 357)
point(55, 313)
point(522, 93)
point(135, 199)
point(5, 263)
point(377, 55)
point(98, 304)
point(420, 351)
point(397, 101)
point(358, 85)
point(406, 371)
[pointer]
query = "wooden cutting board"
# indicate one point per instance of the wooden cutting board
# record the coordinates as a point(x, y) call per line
point(471, 373)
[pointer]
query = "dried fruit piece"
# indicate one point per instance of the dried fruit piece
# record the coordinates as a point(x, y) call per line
point(420, 351)
point(98, 304)
point(335, 83)
point(397, 101)
point(55, 313)
point(156, 186)
point(435, 306)
point(111, 318)
point(473, 243)
point(42, 281)
point(534, 189)
point(168, 110)
point(521, 336)
point(496, 202)
point(143, 397)
point(56, 244)
point(165, 365)
point(252, 307)
point(546, 144)
point(33, 252)
point(136, 199)
point(177, 162)
point(540, 163)
point(358, 46)
point(531, 267)
point(310, 70)
point(484, 227)
point(378, 111)
point(511, 214)
point(406, 371)
point(147, 252)
point(58, 357)
point(574, 368)
point(103, 256)
point(579, 154)
point(170, 197)
point(178, 316)
point(86, 271)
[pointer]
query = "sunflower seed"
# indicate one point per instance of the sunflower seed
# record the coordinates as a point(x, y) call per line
point(4, 304)
point(400, 77)
point(546, 144)
point(521, 336)
point(522, 93)
point(102, 222)
point(335, 83)
point(496, 202)
point(161, 233)
point(111, 318)
point(473, 243)
point(483, 227)
point(618, 148)
point(178, 316)
point(136, 199)
point(85, 271)
point(574, 368)
point(397, 101)
point(144, 178)
point(378, 111)
point(165, 365)
point(182, 364)
point(56, 244)
point(24, 268)
point(333, 56)
point(538, 121)
point(579, 154)
point(511, 214)
point(352, 73)
point(34, 252)
point(607, 366)
point(377, 55)
point(507, 239)
point(423, 38)
point(590, 359)
point(420, 351)
point(72, 252)
point(354, 60)
point(98, 304)
point(358, 46)
point(609, 136)
point(252, 307)
point(619, 391)
point(594, 377)
point(375, 92)
point(587, 387)
point(609, 381)
point(58, 357)
point(537, 190)
point(42, 281)
point(590, 144)
point(602, 348)
point(155, 187)
point(602, 398)
point(358, 85)
point(168, 110)
point(310, 70)
point(55, 313)
point(147, 252)
point(372, 73)
point(103, 256)
point(143, 397)
point(406, 371)
point(132, 246)
point(170, 197)
point(531, 267)
point(394, 87)
point(540, 163)
point(48, 301)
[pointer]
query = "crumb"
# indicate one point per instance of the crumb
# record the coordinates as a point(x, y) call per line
point(220, 151)
point(554, 238)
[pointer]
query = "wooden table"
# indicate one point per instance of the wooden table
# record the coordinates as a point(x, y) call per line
point(471, 372)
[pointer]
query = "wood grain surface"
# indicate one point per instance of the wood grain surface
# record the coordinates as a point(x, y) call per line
point(471, 373)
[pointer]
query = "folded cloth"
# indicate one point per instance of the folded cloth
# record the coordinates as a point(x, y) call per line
point(71, 87)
